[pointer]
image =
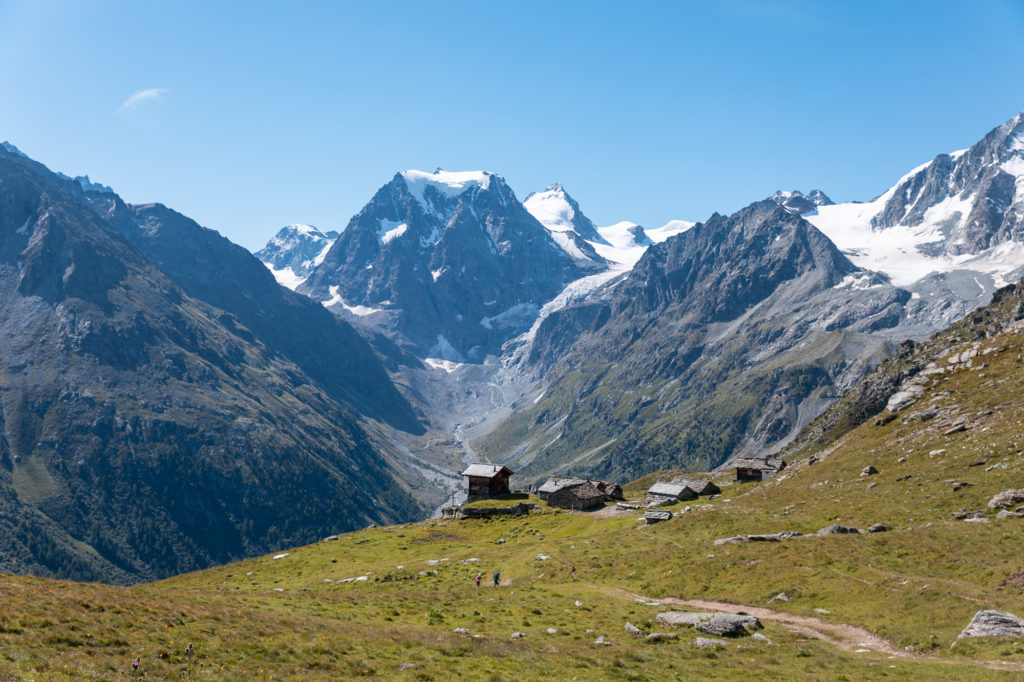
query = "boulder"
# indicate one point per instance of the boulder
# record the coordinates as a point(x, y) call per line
point(706, 643)
point(994, 624)
point(656, 516)
point(601, 641)
point(763, 538)
point(1007, 499)
point(878, 528)
point(632, 629)
point(660, 636)
point(836, 529)
point(461, 631)
point(868, 471)
point(761, 638)
point(728, 625)
point(734, 539)
point(1007, 514)
point(518, 635)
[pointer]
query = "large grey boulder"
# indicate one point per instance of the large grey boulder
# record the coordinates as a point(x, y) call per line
point(728, 625)
point(1007, 499)
point(657, 515)
point(994, 624)
point(707, 643)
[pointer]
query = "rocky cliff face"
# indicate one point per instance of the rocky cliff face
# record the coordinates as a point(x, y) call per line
point(452, 262)
point(151, 419)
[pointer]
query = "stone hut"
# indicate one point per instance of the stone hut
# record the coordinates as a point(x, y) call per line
point(584, 497)
point(701, 486)
point(612, 491)
point(485, 481)
point(555, 484)
point(667, 493)
point(757, 469)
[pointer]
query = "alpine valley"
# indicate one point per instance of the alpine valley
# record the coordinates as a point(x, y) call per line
point(169, 403)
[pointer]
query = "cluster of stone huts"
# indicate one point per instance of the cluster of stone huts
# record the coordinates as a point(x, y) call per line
point(490, 480)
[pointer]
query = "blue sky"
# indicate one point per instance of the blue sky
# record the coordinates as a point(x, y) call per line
point(249, 116)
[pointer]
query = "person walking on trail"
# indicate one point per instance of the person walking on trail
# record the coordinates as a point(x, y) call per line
point(497, 578)
point(478, 577)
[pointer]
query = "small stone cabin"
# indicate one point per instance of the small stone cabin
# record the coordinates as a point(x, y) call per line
point(584, 497)
point(485, 481)
point(669, 492)
point(555, 486)
point(701, 486)
point(756, 469)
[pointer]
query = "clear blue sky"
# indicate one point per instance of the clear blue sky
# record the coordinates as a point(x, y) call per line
point(253, 115)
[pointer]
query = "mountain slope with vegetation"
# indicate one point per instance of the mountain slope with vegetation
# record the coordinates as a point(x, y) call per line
point(145, 431)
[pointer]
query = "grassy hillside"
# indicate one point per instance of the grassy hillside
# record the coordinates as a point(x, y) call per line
point(914, 587)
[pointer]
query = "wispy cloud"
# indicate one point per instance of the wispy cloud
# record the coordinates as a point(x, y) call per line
point(139, 97)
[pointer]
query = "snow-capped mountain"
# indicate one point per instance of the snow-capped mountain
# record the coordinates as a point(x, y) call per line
point(626, 242)
point(800, 202)
point(559, 212)
point(294, 251)
point(574, 232)
point(619, 245)
point(451, 261)
point(962, 211)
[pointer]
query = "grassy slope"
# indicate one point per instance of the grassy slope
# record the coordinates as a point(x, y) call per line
point(917, 585)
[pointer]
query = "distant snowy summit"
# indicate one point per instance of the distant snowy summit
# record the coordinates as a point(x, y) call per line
point(620, 245)
point(294, 251)
point(801, 203)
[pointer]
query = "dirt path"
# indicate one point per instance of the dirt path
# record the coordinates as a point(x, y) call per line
point(840, 635)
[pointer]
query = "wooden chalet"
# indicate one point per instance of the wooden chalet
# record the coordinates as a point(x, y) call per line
point(756, 469)
point(484, 481)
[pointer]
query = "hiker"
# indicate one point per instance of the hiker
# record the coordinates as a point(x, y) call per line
point(497, 578)
point(478, 576)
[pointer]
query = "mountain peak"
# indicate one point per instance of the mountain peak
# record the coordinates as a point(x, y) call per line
point(556, 210)
point(797, 201)
point(10, 148)
point(449, 183)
